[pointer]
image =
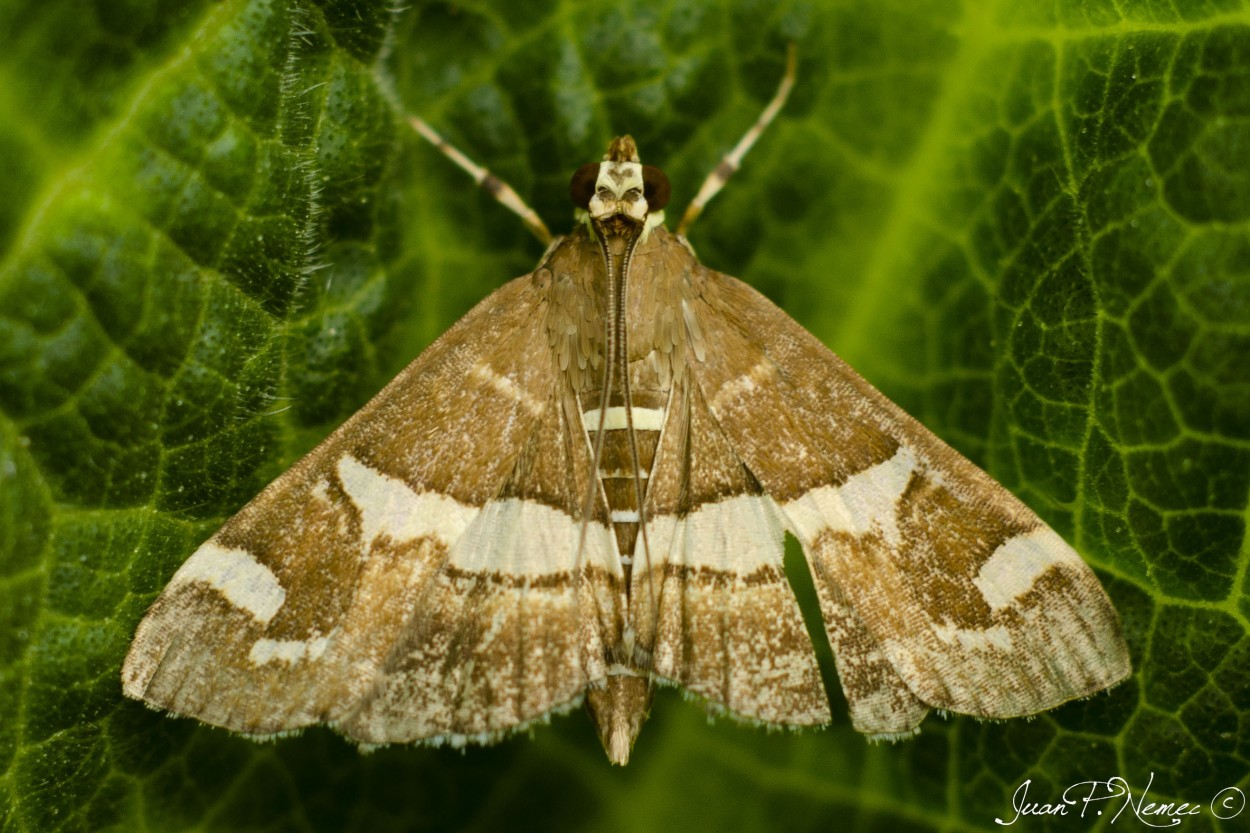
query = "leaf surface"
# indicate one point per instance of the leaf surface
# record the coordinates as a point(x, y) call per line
point(1028, 223)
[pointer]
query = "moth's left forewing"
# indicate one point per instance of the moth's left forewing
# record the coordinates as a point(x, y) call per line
point(366, 586)
point(939, 587)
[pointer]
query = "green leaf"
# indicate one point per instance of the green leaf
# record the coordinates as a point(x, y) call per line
point(1029, 223)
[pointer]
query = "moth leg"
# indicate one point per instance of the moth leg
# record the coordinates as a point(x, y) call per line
point(729, 163)
point(487, 181)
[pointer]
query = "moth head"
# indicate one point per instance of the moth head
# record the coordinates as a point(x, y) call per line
point(620, 187)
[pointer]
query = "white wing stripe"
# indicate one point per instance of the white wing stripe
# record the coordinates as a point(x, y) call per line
point(866, 501)
point(236, 574)
point(390, 507)
point(645, 419)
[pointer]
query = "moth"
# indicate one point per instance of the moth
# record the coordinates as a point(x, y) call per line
point(582, 490)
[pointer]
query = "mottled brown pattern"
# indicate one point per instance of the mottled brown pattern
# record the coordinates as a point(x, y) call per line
point(947, 541)
point(879, 701)
point(696, 465)
point(664, 273)
point(553, 467)
point(470, 431)
point(626, 534)
point(187, 627)
point(515, 581)
point(791, 409)
point(478, 659)
point(308, 558)
point(718, 579)
point(736, 640)
point(1059, 642)
point(191, 652)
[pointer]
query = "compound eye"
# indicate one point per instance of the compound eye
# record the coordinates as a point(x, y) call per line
point(655, 187)
point(582, 185)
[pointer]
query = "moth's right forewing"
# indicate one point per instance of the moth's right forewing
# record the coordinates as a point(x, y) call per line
point(939, 587)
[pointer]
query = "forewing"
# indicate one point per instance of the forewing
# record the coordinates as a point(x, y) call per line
point(301, 605)
point(939, 588)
